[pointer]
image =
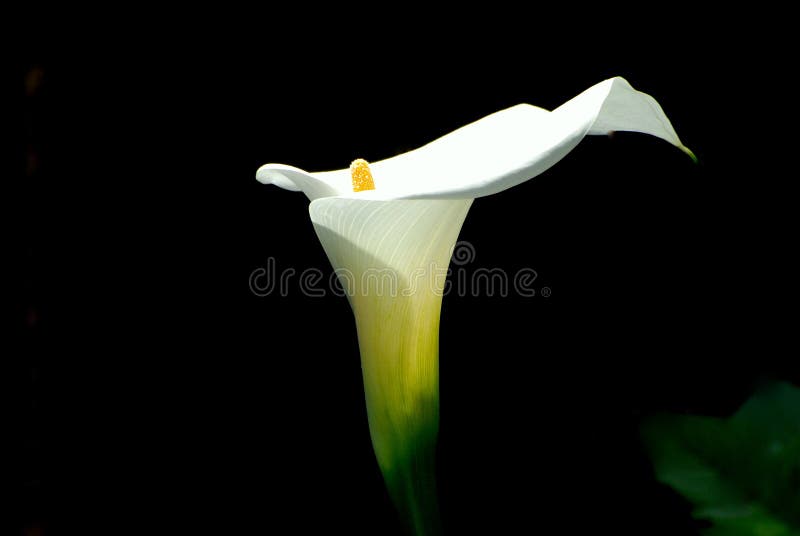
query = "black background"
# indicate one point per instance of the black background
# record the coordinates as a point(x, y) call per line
point(154, 393)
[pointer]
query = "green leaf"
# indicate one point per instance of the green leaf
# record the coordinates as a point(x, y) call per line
point(741, 473)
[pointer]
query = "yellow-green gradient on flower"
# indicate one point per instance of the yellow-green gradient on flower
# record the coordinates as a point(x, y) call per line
point(391, 252)
point(389, 225)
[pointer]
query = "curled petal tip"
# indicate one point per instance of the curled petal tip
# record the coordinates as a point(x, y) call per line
point(277, 175)
point(263, 174)
point(690, 153)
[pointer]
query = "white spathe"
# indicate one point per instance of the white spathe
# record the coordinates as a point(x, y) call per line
point(494, 153)
point(391, 247)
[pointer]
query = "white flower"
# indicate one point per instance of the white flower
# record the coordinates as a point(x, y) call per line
point(402, 228)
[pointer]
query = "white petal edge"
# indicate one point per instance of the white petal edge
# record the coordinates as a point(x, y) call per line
point(494, 153)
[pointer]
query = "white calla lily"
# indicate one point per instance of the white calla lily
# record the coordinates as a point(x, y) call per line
point(394, 242)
